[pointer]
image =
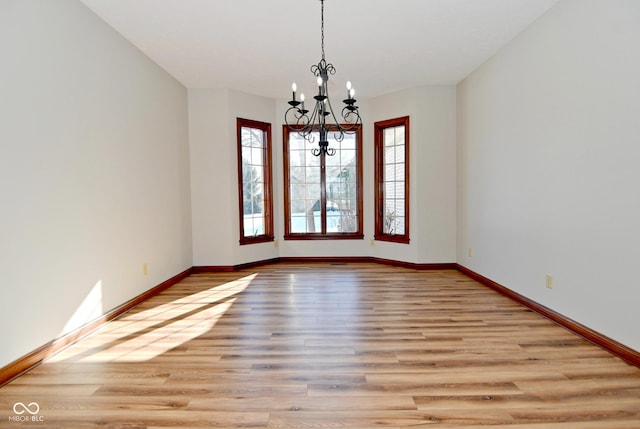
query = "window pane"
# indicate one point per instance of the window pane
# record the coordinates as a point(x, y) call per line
point(389, 137)
point(341, 221)
point(297, 158)
point(296, 142)
point(389, 172)
point(305, 219)
point(299, 206)
point(390, 154)
point(347, 157)
point(399, 153)
point(399, 132)
point(246, 136)
point(350, 173)
point(349, 143)
point(389, 216)
point(305, 223)
point(389, 190)
point(257, 174)
point(246, 154)
point(312, 191)
point(257, 157)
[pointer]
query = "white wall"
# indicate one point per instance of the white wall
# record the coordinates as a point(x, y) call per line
point(548, 164)
point(432, 169)
point(94, 172)
point(214, 174)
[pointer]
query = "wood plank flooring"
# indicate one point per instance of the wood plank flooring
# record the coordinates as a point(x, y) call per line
point(325, 345)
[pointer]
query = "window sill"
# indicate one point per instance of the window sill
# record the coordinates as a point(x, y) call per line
point(256, 240)
point(402, 239)
point(335, 236)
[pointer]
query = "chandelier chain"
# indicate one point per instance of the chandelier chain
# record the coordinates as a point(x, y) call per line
point(322, 26)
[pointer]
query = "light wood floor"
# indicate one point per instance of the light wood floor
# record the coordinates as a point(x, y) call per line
point(330, 346)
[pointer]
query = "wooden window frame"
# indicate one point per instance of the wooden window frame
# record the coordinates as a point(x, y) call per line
point(359, 233)
point(268, 234)
point(379, 128)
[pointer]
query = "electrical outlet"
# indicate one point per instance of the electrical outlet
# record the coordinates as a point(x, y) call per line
point(549, 281)
point(275, 243)
point(145, 271)
point(373, 241)
point(470, 252)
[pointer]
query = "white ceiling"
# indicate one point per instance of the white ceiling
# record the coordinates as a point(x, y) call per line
point(261, 46)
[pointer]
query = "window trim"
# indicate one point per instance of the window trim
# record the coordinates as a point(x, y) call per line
point(268, 182)
point(359, 233)
point(379, 128)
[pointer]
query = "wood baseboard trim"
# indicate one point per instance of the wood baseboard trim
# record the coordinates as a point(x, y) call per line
point(625, 353)
point(414, 266)
point(325, 259)
point(370, 259)
point(248, 265)
point(200, 269)
point(36, 357)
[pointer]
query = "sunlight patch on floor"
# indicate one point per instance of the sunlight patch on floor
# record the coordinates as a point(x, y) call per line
point(142, 335)
point(158, 341)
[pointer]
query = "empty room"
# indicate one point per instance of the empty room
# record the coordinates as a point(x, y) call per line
point(319, 213)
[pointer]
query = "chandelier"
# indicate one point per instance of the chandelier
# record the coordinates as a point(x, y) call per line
point(322, 119)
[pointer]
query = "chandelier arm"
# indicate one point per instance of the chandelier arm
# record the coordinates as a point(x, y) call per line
point(287, 115)
point(338, 132)
point(310, 126)
point(302, 124)
point(352, 119)
point(348, 113)
point(299, 122)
